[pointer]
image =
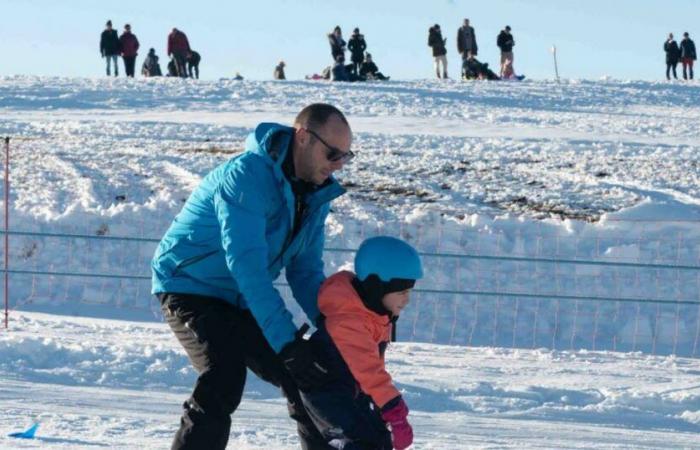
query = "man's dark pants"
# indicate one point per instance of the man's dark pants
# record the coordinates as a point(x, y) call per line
point(222, 341)
point(129, 63)
point(180, 58)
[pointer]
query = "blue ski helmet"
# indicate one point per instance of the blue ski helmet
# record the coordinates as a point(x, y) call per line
point(388, 258)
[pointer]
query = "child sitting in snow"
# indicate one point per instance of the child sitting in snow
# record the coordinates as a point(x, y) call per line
point(358, 312)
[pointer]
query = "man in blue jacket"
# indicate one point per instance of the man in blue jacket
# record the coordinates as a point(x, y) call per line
point(213, 271)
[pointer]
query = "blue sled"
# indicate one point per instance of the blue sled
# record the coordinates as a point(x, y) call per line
point(28, 434)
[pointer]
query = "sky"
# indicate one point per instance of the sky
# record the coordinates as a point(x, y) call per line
point(595, 38)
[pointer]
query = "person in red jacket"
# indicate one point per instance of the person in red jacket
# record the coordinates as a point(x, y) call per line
point(178, 49)
point(358, 313)
point(129, 47)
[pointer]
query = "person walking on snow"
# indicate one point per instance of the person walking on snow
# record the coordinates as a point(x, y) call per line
point(262, 211)
point(437, 43)
point(358, 313)
point(129, 45)
point(178, 49)
point(466, 40)
point(688, 55)
point(673, 54)
point(357, 47)
point(505, 42)
point(109, 47)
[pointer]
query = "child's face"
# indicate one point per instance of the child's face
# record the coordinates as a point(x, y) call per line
point(394, 302)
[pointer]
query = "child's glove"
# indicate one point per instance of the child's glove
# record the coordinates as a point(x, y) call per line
point(300, 359)
point(395, 414)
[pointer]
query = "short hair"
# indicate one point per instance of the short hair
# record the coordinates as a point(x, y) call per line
point(317, 114)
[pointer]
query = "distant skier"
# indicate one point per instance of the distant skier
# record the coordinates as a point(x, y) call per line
point(358, 312)
point(370, 71)
point(279, 71)
point(437, 43)
point(466, 40)
point(673, 54)
point(337, 43)
point(357, 47)
point(193, 59)
point(151, 67)
point(178, 48)
point(109, 47)
point(688, 55)
point(506, 43)
point(129, 45)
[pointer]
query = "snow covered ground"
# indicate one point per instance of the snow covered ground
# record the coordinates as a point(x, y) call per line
point(583, 170)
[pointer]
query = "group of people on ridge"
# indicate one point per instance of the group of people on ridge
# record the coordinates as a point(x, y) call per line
point(184, 61)
point(259, 213)
point(468, 48)
point(361, 67)
point(684, 53)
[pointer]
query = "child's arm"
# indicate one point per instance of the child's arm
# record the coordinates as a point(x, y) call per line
point(361, 353)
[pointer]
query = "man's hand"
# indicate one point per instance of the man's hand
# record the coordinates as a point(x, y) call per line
point(302, 362)
point(395, 413)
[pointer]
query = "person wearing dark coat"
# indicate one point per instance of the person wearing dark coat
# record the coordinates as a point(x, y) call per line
point(172, 69)
point(279, 71)
point(150, 67)
point(370, 71)
point(339, 72)
point(466, 40)
point(193, 59)
point(688, 55)
point(178, 49)
point(110, 48)
point(357, 47)
point(129, 47)
point(673, 55)
point(437, 43)
point(337, 43)
point(473, 69)
point(505, 42)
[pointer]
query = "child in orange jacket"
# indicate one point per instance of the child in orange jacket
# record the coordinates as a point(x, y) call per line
point(358, 312)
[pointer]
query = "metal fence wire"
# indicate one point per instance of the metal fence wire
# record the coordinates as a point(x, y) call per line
point(518, 299)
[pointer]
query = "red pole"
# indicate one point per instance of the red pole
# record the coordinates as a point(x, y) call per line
point(7, 230)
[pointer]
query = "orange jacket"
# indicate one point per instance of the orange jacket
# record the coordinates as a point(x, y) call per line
point(357, 333)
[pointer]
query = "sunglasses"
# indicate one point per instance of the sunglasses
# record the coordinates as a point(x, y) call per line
point(333, 154)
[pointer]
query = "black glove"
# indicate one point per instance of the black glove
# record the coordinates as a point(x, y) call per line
point(302, 362)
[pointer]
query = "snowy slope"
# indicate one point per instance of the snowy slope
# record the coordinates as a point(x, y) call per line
point(580, 170)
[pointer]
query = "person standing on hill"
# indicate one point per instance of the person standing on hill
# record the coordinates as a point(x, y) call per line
point(261, 212)
point(178, 49)
point(357, 47)
point(129, 47)
point(673, 54)
point(466, 40)
point(337, 43)
point(279, 71)
point(506, 43)
point(688, 55)
point(109, 47)
point(437, 43)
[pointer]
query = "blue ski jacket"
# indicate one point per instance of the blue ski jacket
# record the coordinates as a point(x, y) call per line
point(233, 237)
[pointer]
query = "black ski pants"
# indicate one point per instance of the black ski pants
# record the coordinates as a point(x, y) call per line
point(221, 341)
point(669, 67)
point(129, 63)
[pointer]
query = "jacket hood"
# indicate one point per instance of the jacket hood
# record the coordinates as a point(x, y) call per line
point(338, 296)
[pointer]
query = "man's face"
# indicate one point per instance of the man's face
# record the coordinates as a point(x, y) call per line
point(466, 22)
point(311, 162)
point(395, 302)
